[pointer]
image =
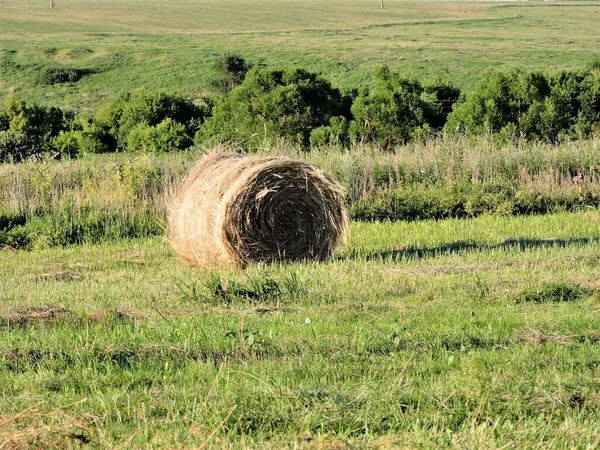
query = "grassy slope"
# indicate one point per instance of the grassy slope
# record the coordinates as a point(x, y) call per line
point(171, 45)
point(416, 338)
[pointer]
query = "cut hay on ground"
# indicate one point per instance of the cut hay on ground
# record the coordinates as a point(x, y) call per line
point(233, 210)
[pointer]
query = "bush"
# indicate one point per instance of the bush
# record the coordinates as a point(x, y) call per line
point(67, 143)
point(439, 99)
point(153, 108)
point(145, 120)
point(14, 147)
point(166, 136)
point(59, 75)
point(29, 130)
point(336, 133)
point(532, 106)
point(286, 103)
point(393, 110)
point(231, 71)
point(500, 100)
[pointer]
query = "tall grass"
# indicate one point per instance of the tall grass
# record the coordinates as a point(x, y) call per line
point(124, 195)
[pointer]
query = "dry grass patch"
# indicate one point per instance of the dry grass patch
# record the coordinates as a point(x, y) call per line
point(27, 315)
point(535, 337)
point(39, 427)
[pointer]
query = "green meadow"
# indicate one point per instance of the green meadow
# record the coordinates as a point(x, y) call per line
point(480, 333)
point(463, 311)
point(173, 45)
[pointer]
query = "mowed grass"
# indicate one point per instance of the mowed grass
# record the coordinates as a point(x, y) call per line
point(173, 45)
point(481, 333)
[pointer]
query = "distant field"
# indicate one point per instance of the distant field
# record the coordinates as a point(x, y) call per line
point(478, 333)
point(172, 45)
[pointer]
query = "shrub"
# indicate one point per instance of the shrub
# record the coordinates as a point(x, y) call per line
point(500, 100)
point(531, 105)
point(14, 147)
point(148, 121)
point(336, 133)
point(167, 135)
point(28, 129)
point(286, 103)
point(32, 120)
point(153, 108)
point(439, 99)
point(59, 75)
point(588, 119)
point(93, 136)
point(231, 71)
point(393, 110)
point(67, 143)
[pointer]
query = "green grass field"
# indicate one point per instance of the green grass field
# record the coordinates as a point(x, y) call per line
point(468, 334)
point(478, 333)
point(172, 45)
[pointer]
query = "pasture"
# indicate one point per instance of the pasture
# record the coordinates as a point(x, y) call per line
point(173, 45)
point(478, 331)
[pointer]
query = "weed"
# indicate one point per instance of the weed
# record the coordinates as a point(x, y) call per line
point(554, 293)
point(259, 288)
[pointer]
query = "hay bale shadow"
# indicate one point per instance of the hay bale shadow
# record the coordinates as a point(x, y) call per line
point(411, 252)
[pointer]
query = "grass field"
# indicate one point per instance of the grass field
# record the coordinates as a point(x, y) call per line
point(172, 45)
point(478, 333)
point(473, 333)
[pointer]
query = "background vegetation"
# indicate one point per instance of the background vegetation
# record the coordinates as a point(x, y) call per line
point(100, 198)
point(173, 46)
point(304, 109)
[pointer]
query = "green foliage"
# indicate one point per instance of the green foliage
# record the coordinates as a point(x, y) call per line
point(259, 288)
point(304, 109)
point(531, 105)
point(142, 121)
point(334, 134)
point(28, 130)
point(230, 72)
point(500, 100)
point(422, 202)
point(153, 108)
point(166, 136)
point(72, 227)
point(439, 98)
point(67, 143)
point(393, 110)
point(287, 103)
point(59, 75)
point(14, 147)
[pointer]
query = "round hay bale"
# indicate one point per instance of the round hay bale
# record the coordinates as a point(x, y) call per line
point(233, 210)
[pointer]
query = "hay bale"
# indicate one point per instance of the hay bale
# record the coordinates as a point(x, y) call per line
point(233, 210)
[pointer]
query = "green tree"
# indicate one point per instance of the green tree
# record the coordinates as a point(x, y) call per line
point(287, 103)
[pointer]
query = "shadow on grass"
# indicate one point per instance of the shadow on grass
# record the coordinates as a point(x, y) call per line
point(464, 246)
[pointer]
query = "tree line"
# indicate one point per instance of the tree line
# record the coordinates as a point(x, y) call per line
point(255, 104)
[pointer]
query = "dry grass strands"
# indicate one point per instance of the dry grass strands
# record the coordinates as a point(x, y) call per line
point(39, 314)
point(233, 210)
